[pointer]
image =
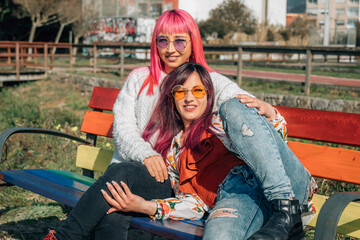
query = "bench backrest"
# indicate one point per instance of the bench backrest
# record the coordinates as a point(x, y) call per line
point(324, 126)
point(325, 161)
point(98, 122)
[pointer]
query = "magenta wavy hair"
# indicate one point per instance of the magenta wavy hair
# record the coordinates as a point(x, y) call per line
point(171, 22)
point(166, 120)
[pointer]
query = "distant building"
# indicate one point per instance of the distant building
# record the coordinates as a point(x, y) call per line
point(132, 8)
point(290, 17)
point(270, 11)
point(343, 15)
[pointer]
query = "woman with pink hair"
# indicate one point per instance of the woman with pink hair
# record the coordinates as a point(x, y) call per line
point(176, 40)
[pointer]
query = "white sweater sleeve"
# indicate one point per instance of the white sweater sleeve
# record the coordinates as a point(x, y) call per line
point(126, 130)
point(225, 89)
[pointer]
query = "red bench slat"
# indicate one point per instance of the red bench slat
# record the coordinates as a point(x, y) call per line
point(103, 98)
point(308, 124)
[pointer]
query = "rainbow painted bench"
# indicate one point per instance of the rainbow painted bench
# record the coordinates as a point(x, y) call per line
point(339, 213)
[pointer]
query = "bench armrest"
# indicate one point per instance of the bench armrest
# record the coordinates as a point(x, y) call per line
point(330, 213)
point(7, 133)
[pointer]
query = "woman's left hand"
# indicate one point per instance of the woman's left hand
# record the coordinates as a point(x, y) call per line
point(264, 108)
point(124, 200)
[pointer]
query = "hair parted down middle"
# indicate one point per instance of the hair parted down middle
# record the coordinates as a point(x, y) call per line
point(171, 22)
point(165, 121)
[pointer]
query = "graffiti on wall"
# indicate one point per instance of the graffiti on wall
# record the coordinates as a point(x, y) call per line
point(121, 30)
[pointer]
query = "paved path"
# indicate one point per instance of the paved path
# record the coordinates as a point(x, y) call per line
point(292, 77)
point(349, 82)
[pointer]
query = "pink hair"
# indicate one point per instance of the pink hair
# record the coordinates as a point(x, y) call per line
point(171, 22)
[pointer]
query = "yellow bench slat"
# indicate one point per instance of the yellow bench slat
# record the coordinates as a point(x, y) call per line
point(93, 158)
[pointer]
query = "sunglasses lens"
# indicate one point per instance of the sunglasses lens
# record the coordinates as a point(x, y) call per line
point(179, 92)
point(162, 42)
point(180, 44)
point(198, 91)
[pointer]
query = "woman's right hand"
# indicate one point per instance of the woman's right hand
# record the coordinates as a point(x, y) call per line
point(124, 200)
point(156, 167)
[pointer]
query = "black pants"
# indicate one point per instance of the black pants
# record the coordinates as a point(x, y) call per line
point(89, 215)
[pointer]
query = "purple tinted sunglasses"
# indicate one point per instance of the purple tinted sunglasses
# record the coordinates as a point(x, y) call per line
point(179, 43)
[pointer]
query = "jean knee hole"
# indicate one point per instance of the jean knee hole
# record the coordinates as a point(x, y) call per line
point(223, 213)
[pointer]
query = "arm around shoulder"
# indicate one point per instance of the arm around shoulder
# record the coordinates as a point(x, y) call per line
point(126, 131)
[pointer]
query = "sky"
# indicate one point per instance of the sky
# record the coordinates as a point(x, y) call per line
point(197, 9)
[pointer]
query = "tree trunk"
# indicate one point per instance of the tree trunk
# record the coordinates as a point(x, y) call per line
point(31, 38)
point(32, 31)
point(76, 41)
point(58, 35)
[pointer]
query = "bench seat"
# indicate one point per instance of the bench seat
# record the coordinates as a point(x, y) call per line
point(68, 191)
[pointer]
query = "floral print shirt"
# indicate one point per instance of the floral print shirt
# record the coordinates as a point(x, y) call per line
point(187, 205)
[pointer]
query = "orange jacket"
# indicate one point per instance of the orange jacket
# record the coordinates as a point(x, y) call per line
point(202, 171)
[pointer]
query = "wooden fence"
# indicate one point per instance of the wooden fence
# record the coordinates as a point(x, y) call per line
point(42, 54)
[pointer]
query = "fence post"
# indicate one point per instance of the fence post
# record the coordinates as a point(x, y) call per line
point(240, 65)
point(71, 57)
point(122, 53)
point(308, 71)
point(45, 60)
point(17, 60)
point(95, 57)
point(35, 53)
point(9, 55)
point(283, 58)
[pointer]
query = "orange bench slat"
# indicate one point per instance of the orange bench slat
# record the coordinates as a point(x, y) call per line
point(329, 162)
point(103, 98)
point(98, 123)
point(309, 124)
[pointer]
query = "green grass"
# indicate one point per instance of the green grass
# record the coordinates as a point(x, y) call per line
point(285, 88)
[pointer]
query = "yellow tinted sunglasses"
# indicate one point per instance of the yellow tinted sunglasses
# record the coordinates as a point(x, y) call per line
point(179, 91)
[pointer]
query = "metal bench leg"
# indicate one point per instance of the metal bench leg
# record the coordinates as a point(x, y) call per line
point(330, 213)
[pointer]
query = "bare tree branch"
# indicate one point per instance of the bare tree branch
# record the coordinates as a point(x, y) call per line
point(41, 12)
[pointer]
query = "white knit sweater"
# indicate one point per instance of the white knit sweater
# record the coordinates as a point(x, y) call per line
point(132, 112)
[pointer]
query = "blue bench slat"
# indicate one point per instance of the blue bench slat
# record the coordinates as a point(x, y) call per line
point(61, 189)
point(199, 223)
point(46, 188)
point(74, 176)
point(169, 228)
point(56, 178)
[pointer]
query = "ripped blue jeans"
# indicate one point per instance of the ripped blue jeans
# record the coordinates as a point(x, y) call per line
point(272, 171)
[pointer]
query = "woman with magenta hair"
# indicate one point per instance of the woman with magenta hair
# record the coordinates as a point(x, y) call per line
point(176, 40)
point(206, 171)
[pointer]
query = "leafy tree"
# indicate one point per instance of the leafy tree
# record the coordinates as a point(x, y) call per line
point(41, 12)
point(12, 23)
point(229, 16)
point(5, 9)
point(300, 28)
point(285, 33)
point(68, 12)
point(270, 36)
